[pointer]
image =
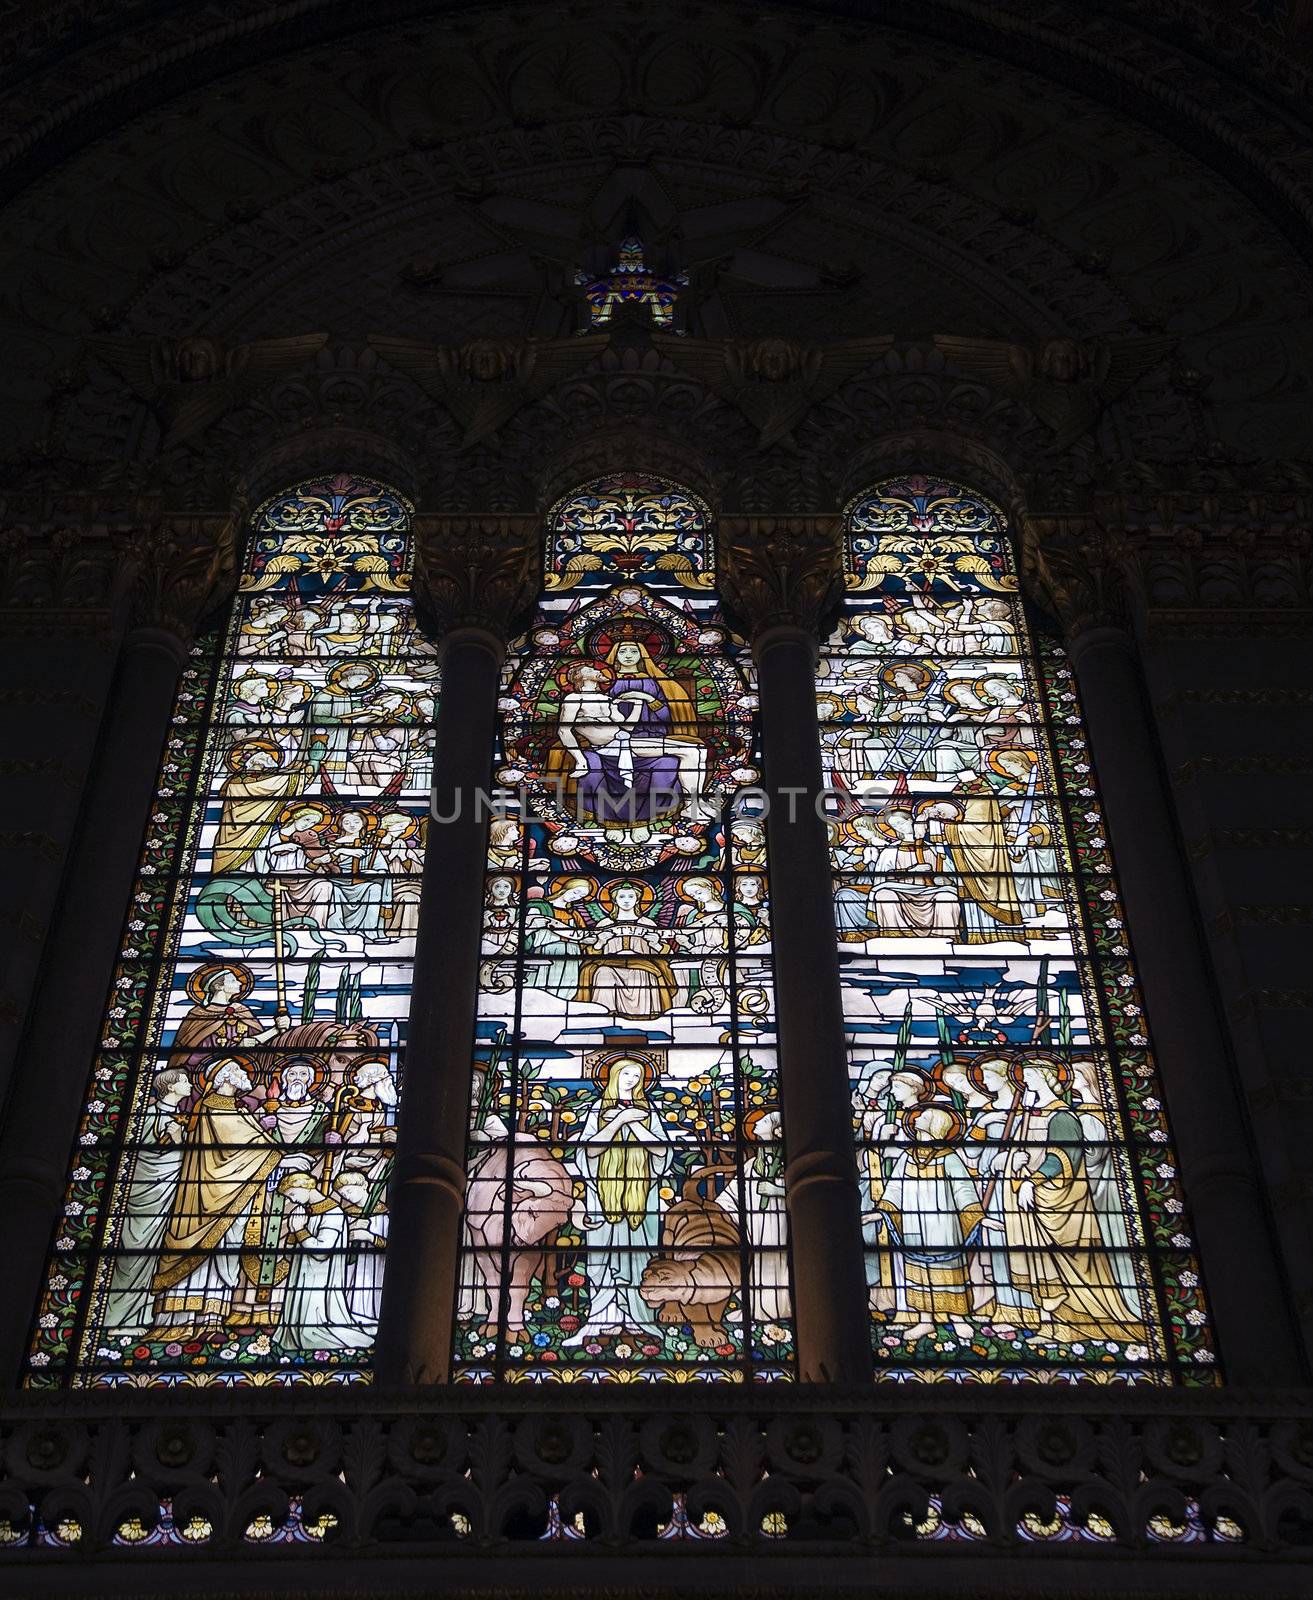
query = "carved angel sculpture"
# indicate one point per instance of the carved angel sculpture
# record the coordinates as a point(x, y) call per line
point(773, 382)
point(188, 383)
point(1067, 383)
point(485, 382)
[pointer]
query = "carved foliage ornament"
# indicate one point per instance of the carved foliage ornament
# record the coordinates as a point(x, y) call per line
point(476, 571)
point(182, 570)
point(1081, 570)
point(782, 571)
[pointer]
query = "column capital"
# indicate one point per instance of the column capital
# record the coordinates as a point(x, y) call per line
point(180, 569)
point(781, 571)
point(475, 570)
point(1081, 569)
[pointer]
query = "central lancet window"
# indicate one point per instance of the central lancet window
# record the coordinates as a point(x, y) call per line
point(625, 1214)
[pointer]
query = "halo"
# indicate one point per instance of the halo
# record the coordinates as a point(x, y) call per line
point(923, 806)
point(211, 1067)
point(318, 1071)
point(912, 1072)
point(955, 688)
point(978, 685)
point(881, 818)
point(646, 893)
point(412, 823)
point(913, 1114)
point(297, 806)
point(241, 752)
point(566, 879)
point(571, 664)
point(1060, 1070)
point(370, 816)
point(604, 1066)
point(925, 674)
point(1030, 757)
point(974, 1071)
point(755, 1116)
point(333, 682)
point(197, 981)
point(681, 886)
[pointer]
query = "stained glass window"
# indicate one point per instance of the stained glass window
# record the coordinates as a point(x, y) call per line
point(631, 282)
point(624, 1209)
point(226, 1212)
point(1022, 1216)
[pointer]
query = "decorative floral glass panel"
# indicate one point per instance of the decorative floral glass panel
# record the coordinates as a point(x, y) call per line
point(1021, 1211)
point(625, 1215)
point(226, 1213)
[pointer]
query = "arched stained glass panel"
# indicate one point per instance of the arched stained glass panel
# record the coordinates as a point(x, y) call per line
point(1023, 1220)
point(625, 1072)
point(226, 1215)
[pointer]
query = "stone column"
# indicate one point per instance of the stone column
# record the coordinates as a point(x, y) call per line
point(1084, 578)
point(179, 574)
point(782, 577)
point(474, 578)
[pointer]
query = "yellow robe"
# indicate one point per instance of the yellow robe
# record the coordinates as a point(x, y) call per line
point(251, 808)
point(1057, 1253)
point(978, 847)
point(227, 1158)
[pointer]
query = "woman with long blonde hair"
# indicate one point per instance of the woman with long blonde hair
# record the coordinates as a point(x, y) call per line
point(623, 1155)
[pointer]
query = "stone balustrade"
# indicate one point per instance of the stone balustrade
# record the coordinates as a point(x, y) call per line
point(1218, 1483)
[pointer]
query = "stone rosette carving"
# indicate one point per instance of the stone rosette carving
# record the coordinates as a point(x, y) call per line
point(781, 571)
point(476, 571)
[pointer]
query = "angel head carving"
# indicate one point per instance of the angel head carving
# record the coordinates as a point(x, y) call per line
point(194, 360)
point(773, 360)
point(487, 360)
point(1063, 361)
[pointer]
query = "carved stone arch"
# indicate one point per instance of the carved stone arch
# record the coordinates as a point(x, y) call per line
point(627, 448)
point(964, 459)
point(976, 254)
point(305, 454)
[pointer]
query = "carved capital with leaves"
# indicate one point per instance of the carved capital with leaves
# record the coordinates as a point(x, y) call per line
point(781, 571)
point(475, 570)
point(1083, 571)
point(181, 569)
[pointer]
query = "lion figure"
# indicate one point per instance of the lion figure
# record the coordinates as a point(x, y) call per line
point(698, 1271)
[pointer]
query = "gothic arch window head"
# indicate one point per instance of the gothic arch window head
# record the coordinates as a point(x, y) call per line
point(625, 1065)
point(226, 1212)
point(1022, 1218)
